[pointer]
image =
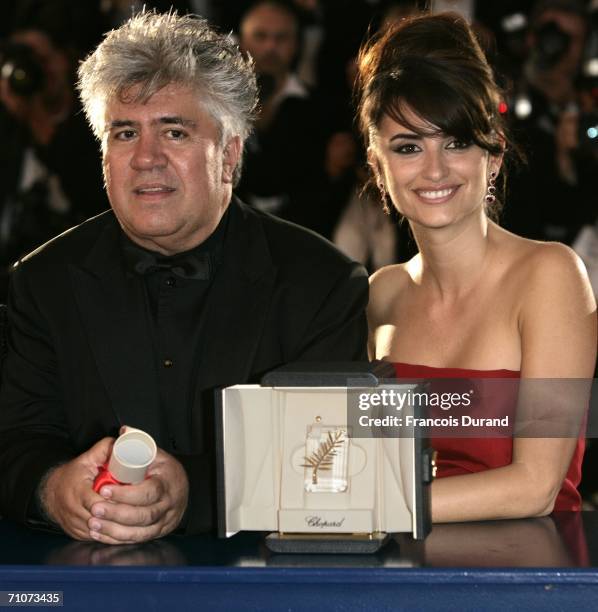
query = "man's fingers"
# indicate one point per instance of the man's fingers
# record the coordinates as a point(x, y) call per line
point(78, 531)
point(114, 533)
point(89, 498)
point(124, 514)
point(96, 456)
point(143, 494)
point(99, 453)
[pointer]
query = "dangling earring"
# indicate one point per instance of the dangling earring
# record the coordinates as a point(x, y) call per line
point(490, 196)
point(383, 196)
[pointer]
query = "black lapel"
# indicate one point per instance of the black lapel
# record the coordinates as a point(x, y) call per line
point(238, 304)
point(111, 306)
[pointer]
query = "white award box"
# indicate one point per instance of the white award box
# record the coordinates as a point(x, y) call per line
point(289, 463)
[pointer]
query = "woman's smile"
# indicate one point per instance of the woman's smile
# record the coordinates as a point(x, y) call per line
point(439, 195)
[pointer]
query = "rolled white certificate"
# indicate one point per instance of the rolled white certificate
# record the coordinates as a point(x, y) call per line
point(132, 453)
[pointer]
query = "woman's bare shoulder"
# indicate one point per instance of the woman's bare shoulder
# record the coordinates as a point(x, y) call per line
point(557, 310)
point(549, 277)
point(535, 260)
point(549, 263)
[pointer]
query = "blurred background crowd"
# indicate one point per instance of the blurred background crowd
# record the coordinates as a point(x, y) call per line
point(304, 161)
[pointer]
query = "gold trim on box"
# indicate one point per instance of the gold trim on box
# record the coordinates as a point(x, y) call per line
point(329, 536)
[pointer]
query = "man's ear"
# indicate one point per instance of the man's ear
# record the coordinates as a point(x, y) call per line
point(230, 158)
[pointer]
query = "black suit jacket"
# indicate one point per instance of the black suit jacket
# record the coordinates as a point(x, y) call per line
point(80, 362)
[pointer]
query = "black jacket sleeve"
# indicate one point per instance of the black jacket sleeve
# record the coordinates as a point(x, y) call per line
point(33, 431)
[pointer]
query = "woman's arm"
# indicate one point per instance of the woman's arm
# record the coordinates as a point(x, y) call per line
point(557, 325)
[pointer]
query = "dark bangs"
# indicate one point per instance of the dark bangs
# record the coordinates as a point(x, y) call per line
point(445, 99)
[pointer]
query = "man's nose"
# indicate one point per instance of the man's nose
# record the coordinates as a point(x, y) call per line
point(148, 153)
point(271, 43)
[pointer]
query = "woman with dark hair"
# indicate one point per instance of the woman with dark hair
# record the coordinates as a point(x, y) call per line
point(476, 301)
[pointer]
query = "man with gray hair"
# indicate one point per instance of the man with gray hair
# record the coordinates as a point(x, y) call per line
point(137, 315)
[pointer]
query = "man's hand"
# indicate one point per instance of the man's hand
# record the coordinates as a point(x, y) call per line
point(67, 496)
point(145, 511)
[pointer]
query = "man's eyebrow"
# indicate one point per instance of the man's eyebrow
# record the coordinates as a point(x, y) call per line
point(166, 120)
point(117, 123)
point(177, 120)
point(409, 135)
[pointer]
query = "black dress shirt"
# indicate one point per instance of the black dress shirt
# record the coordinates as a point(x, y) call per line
point(173, 310)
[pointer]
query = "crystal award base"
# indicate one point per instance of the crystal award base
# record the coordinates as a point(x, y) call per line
point(331, 543)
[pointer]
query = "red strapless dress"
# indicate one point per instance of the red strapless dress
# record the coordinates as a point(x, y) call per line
point(466, 455)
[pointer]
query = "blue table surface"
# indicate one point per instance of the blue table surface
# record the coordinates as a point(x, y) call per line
point(548, 563)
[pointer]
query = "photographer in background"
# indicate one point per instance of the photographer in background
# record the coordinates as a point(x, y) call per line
point(283, 166)
point(49, 171)
point(553, 197)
